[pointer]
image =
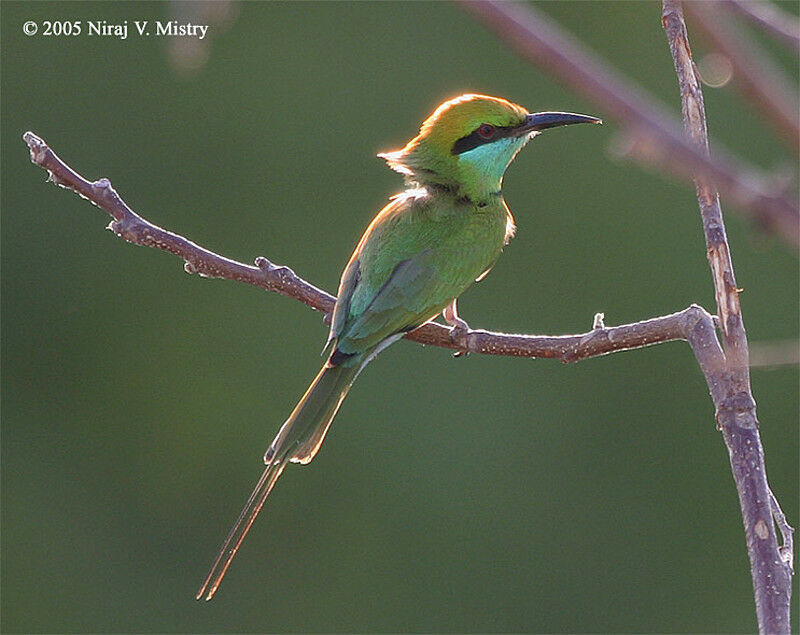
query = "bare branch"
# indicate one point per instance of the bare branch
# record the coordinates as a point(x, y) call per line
point(760, 81)
point(773, 20)
point(729, 380)
point(552, 50)
point(128, 225)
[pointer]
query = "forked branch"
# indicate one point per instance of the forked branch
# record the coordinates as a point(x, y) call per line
point(770, 565)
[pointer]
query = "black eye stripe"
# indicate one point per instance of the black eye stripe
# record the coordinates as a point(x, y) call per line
point(474, 139)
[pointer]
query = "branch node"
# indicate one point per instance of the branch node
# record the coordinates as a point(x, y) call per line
point(189, 268)
point(37, 148)
point(102, 184)
point(597, 323)
point(263, 264)
point(737, 409)
point(279, 272)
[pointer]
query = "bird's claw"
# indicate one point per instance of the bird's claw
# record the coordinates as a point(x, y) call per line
point(459, 332)
point(459, 329)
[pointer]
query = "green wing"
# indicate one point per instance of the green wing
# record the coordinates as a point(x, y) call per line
point(412, 295)
point(341, 309)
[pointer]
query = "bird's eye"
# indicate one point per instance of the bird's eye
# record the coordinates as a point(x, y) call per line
point(486, 130)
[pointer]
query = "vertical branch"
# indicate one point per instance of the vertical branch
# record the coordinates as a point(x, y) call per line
point(719, 258)
point(729, 378)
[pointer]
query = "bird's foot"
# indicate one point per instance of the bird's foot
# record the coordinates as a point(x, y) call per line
point(459, 329)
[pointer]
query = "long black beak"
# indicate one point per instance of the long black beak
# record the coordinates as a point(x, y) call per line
point(543, 120)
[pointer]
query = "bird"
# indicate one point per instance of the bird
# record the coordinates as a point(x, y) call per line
point(430, 242)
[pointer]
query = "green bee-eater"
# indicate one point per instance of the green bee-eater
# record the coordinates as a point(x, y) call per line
point(445, 231)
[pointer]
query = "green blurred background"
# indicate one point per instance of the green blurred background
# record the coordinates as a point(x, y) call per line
point(477, 494)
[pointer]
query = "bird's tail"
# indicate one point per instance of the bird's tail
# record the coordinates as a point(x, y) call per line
point(298, 441)
point(305, 429)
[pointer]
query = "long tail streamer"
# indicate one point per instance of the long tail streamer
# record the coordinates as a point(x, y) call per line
point(237, 534)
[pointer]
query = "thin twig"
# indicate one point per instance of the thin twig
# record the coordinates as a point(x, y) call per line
point(128, 225)
point(553, 50)
point(784, 26)
point(754, 75)
point(730, 382)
